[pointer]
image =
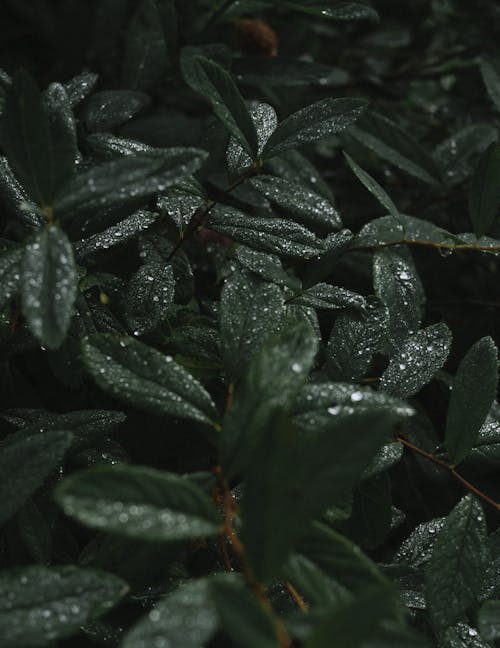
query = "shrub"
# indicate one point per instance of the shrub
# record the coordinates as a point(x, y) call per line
point(248, 369)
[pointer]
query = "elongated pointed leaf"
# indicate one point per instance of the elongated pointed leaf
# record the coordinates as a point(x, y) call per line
point(265, 121)
point(397, 146)
point(62, 127)
point(125, 180)
point(107, 110)
point(334, 11)
point(484, 195)
point(39, 605)
point(373, 187)
point(459, 560)
point(26, 460)
point(139, 503)
point(10, 272)
point(490, 71)
point(149, 296)
point(145, 378)
point(49, 286)
point(415, 364)
point(215, 84)
point(473, 392)
point(321, 119)
point(26, 139)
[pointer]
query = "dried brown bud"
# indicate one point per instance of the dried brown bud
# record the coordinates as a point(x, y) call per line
point(257, 37)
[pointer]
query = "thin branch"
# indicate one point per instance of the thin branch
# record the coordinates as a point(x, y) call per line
point(297, 597)
point(450, 469)
point(429, 244)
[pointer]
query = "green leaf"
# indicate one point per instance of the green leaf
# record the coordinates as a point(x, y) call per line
point(462, 635)
point(118, 234)
point(39, 605)
point(355, 622)
point(280, 71)
point(354, 338)
point(145, 55)
point(26, 139)
point(109, 147)
point(371, 515)
point(138, 502)
point(250, 311)
point(18, 207)
point(265, 121)
point(473, 392)
point(10, 262)
point(484, 194)
point(62, 126)
point(273, 235)
point(49, 286)
point(489, 620)
point(490, 71)
point(26, 460)
point(397, 146)
point(416, 363)
point(145, 378)
point(149, 296)
point(373, 187)
point(35, 532)
point(386, 230)
point(337, 11)
point(272, 380)
point(321, 119)
point(80, 86)
point(324, 296)
point(126, 180)
point(109, 109)
point(213, 82)
point(455, 572)
point(398, 286)
point(187, 617)
point(267, 266)
point(299, 201)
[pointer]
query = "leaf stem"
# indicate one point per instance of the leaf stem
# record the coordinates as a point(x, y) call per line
point(430, 244)
point(200, 216)
point(449, 468)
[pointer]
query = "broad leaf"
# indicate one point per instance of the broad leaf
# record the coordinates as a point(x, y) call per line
point(336, 11)
point(489, 620)
point(125, 180)
point(265, 121)
point(139, 503)
point(455, 572)
point(321, 119)
point(143, 377)
point(473, 392)
point(150, 294)
point(215, 84)
point(328, 297)
point(26, 460)
point(107, 110)
point(416, 363)
point(490, 71)
point(49, 286)
point(39, 605)
point(250, 311)
point(10, 272)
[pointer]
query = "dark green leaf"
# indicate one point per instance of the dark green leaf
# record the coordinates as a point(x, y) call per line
point(272, 380)
point(473, 392)
point(41, 604)
point(397, 146)
point(109, 109)
point(484, 195)
point(16, 203)
point(265, 121)
point(62, 128)
point(35, 532)
point(321, 119)
point(139, 503)
point(150, 294)
point(490, 71)
point(455, 572)
point(398, 286)
point(489, 620)
point(125, 180)
point(27, 140)
point(267, 266)
point(80, 86)
point(373, 187)
point(289, 72)
point(143, 377)
point(416, 363)
point(213, 82)
point(49, 286)
point(26, 460)
point(336, 11)
point(328, 297)
point(250, 311)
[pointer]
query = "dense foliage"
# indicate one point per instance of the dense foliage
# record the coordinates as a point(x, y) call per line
point(248, 312)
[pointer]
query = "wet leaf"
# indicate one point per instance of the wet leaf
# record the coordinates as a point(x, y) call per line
point(41, 604)
point(455, 572)
point(474, 389)
point(150, 294)
point(416, 363)
point(143, 377)
point(324, 296)
point(489, 620)
point(250, 312)
point(109, 109)
point(484, 195)
point(49, 286)
point(10, 270)
point(26, 461)
point(265, 121)
point(138, 502)
point(373, 187)
point(323, 118)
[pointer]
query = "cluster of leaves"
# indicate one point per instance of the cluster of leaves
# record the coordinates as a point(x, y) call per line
point(248, 263)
